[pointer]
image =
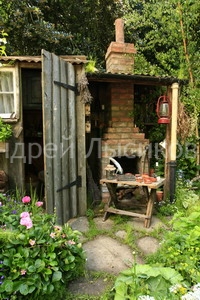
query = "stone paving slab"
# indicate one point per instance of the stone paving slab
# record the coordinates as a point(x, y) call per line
point(89, 286)
point(106, 254)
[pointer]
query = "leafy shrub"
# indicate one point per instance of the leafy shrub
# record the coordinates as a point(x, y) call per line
point(181, 247)
point(186, 197)
point(37, 257)
point(148, 282)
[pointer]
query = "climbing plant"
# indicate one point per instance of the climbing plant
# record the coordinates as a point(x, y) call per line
point(3, 42)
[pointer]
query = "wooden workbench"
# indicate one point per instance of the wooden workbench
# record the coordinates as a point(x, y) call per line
point(151, 194)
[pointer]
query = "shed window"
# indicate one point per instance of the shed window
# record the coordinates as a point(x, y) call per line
point(9, 102)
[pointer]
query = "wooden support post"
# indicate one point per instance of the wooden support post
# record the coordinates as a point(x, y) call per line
point(173, 144)
point(174, 103)
point(81, 159)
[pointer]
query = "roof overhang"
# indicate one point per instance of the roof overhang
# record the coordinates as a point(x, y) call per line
point(136, 79)
point(74, 59)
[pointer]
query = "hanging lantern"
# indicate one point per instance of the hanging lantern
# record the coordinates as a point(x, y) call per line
point(163, 110)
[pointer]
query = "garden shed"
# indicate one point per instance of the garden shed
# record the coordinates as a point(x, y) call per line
point(39, 97)
point(68, 124)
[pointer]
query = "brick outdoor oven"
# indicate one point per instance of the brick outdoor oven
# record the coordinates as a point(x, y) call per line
point(122, 140)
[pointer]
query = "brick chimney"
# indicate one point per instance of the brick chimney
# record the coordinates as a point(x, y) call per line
point(119, 56)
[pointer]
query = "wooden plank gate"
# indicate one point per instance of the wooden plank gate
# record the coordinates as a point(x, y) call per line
point(64, 135)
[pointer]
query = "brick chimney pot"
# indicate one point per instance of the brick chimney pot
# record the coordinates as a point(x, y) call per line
point(119, 56)
point(119, 31)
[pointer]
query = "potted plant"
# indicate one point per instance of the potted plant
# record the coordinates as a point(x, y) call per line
point(159, 195)
point(5, 134)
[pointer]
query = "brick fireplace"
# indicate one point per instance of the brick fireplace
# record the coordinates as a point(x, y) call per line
point(122, 139)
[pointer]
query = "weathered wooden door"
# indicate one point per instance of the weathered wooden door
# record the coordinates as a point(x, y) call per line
point(64, 134)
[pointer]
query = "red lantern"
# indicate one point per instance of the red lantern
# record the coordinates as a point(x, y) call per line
point(163, 110)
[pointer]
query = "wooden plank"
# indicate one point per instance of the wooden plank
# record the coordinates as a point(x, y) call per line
point(126, 213)
point(72, 140)
point(47, 128)
point(81, 155)
point(167, 152)
point(60, 130)
point(56, 130)
point(17, 91)
point(64, 143)
point(153, 185)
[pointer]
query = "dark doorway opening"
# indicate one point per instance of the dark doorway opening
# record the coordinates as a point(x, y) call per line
point(33, 130)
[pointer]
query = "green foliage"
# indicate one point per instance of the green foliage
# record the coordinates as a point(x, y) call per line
point(180, 247)
point(5, 131)
point(167, 209)
point(147, 280)
point(63, 27)
point(90, 67)
point(3, 42)
point(38, 258)
point(165, 34)
point(186, 197)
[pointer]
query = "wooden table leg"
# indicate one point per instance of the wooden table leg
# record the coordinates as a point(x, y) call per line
point(113, 198)
point(106, 214)
point(150, 206)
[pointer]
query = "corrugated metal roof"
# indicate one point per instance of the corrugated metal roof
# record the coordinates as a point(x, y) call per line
point(79, 59)
point(100, 76)
point(35, 59)
point(97, 76)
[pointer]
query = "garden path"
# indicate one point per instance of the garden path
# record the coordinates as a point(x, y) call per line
point(110, 255)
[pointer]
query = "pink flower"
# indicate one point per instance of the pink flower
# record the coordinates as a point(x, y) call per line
point(57, 228)
point(26, 199)
point(52, 235)
point(23, 272)
point(39, 203)
point(25, 214)
point(26, 222)
point(70, 242)
point(32, 242)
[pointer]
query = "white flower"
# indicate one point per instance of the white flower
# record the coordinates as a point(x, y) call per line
point(196, 287)
point(194, 295)
point(189, 296)
point(175, 288)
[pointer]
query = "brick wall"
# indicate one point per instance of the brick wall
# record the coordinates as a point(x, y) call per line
point(122, 138)
point(120, 58)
